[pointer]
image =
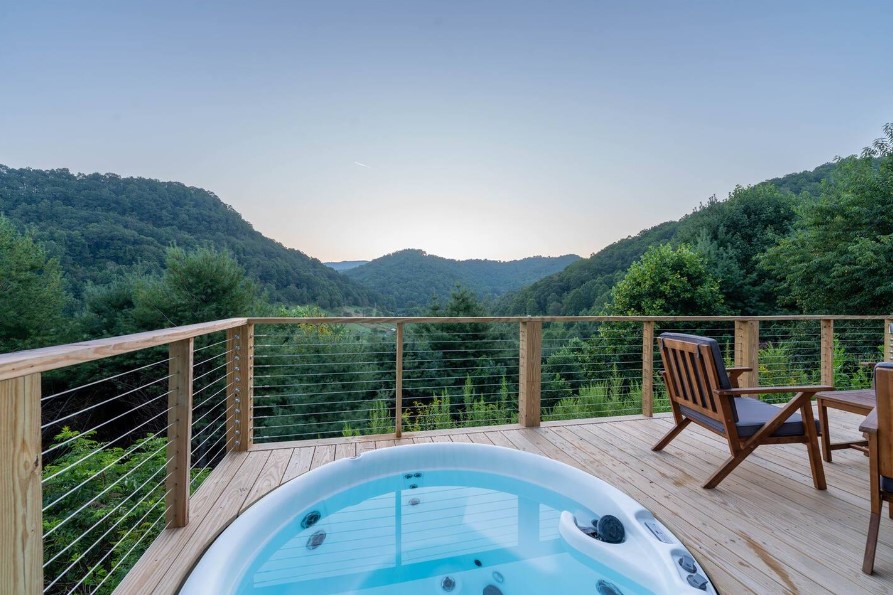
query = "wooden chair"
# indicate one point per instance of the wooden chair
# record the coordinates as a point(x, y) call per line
point(879, 428)
point(702, 391)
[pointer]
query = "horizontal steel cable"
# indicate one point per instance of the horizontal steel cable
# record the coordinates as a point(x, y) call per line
point(100, 381)
point(95, 405)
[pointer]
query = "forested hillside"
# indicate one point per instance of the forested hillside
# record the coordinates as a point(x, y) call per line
point(99, 224)
point(412, 278)
point(735, 230)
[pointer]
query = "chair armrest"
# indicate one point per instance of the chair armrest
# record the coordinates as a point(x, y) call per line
point(869, 426)
point(767, 390)
point(803, 398)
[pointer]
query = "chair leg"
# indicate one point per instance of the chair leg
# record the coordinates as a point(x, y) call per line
point(671, 434)
point(826, 434)
point(871, 542)
point(812, 448)
point(815, 465)
point(876, 503)
point(726, 468)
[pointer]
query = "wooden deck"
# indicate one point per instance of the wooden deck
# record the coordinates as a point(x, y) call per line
point(775, 534)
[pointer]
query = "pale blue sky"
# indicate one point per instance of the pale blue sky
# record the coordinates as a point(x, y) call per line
point(468, 129)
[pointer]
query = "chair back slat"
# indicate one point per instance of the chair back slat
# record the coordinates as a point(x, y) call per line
point(692, 376)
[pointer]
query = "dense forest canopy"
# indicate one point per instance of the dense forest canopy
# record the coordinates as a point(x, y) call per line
point(412, 278)
point(100, 224)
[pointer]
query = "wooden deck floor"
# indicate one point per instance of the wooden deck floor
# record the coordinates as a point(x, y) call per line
point(763, 530)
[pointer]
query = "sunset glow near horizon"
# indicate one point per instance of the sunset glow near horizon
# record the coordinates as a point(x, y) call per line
point(496, 130)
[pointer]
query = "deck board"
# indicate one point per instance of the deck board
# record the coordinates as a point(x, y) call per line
point(270, 476)
point(299, 463)
point(765, 529)
point(157, 560)
point(224, 511)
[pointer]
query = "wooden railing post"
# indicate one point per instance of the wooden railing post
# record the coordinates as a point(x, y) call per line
point(398, 394)
point(888, 340)
point(530, 373)
point(21, 517)
point(179, 432)
point(747, 350)
point(240, 396)
point(648, 368)
point(827, 351)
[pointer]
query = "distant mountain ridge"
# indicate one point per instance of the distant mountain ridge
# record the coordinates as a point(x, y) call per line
point(413, 278)
point(98, 224)
point(345, 265)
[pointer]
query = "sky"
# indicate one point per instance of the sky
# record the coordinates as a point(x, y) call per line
point(500, 130)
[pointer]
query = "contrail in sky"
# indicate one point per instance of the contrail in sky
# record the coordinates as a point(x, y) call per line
point(362, 165)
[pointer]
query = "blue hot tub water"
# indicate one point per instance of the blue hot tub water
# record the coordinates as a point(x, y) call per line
point(431, 532)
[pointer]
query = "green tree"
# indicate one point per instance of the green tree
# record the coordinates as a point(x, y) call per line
point(584, 286)
point(447, 360)
point(563, 372)
point(322, 380)
point(108, 308)
point(460, 345)
point(32, 289)
point(839, 257)
point(667, 281)
point(462, 349)
point(197, 286)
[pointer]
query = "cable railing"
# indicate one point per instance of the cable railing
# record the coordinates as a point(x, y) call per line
point(459, 375)
point(323, 380)
point(857, 346)
point(104, 442)
point(104, 469)
point(591, 370)
point(96, 451)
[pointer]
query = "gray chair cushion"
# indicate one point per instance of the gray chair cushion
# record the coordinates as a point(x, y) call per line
point(752, 415)
point(724, 381)
point(703, 419)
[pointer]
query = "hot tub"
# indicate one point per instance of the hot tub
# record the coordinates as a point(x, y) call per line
point(447, 518)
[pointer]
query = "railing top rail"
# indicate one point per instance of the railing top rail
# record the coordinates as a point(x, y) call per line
point(446, 319)
point(21, 363)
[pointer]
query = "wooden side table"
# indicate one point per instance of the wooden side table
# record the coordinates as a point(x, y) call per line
point(861, 402)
